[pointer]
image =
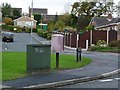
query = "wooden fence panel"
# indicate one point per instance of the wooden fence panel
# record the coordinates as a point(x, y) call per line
point(112, 35)
point(73, 39)
point(69, 39)
point(65, 39)
point(82, 39)
point(98, 35)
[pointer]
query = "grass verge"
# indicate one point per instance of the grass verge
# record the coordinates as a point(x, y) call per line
point(14, 64)
point(105, 49)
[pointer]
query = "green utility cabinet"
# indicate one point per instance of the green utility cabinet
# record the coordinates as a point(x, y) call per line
point(42, 26)
point(38, 57)
point(45, 27)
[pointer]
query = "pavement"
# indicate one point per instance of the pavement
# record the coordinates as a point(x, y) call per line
point(102, 66)
point(40, 40)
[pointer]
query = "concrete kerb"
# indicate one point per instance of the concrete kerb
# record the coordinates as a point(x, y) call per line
point(74, 81)
point(73, 49)
point(5, 86)
point(70, 48)
point(43, 42)
point(37, 39)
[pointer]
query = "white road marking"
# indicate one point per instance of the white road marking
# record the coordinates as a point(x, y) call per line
point(107, 80)
point(117, 78)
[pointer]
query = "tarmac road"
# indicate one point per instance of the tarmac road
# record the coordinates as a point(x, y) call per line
point(102, 63)
point(110, 82)
point(20, 42)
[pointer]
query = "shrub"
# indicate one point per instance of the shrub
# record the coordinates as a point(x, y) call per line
point(10, 27)
point(40, 32)
point(51, 26)
point(8, 21)
point(60, 25)
point(7, 27)
point(90, 27)
point(69, 28)
point(118, 43)
point(101, 43)
point(34, 30)
point(49, 36)
point(27, 30)
point(93, 48)
point(45, 34)
point(19, 29)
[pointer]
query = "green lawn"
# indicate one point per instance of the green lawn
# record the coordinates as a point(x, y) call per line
point(14, 64)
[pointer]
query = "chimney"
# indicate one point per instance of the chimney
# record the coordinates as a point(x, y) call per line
point(110, 16)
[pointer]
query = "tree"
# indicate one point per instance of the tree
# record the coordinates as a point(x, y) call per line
point(8, 21)
point(6, 9)
point(73, 21)
point(66, 18)
point(83, 22)
point(83, 8)
point(51, 26)
point(60, 25)
point(38, 18)
point(86, 10)
point(75, 8)
point(105, 7)
point(91, 9)
point(16, 13)
point(90, 27)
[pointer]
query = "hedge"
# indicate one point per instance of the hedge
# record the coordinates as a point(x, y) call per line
point(44, 34)
point(19, 29)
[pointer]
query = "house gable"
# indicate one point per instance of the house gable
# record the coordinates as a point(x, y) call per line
point(25, 18)
point(103, 22)
point(25, 21)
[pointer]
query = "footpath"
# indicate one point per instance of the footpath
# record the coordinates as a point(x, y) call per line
point(103, 65)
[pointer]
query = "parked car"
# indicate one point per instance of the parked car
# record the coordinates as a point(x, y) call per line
point(7, 37)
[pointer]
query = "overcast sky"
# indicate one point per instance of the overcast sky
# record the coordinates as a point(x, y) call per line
point(53, 6)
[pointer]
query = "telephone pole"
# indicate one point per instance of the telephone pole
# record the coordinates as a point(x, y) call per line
point(31, 19)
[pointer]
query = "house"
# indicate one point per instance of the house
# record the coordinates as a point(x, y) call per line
point(107, 23)
point(25, 21)
point(41, 11)
point(50, 17)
